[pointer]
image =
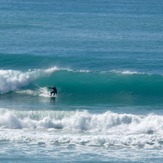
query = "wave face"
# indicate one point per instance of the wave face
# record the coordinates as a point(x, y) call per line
point(87, 82)
point(78, 85)
point(81, 127)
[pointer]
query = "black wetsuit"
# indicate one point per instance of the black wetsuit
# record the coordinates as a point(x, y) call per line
point(54, 91)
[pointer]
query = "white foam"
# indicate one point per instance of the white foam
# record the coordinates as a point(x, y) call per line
point(86, 71)
point(11, 80)
point(28, 92)
point(106, 122)
point(43, 92)
point(107, 129)
point(126, 72)
point(51, 70)
point(71, 70)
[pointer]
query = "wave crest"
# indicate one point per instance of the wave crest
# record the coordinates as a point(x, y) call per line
point(81, 127)
point(82, 120)
point(11, 80)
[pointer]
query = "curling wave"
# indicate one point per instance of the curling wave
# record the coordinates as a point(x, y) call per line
point(11, 80)
point(77, 85)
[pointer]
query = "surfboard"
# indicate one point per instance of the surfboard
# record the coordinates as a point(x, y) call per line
point(52, 97)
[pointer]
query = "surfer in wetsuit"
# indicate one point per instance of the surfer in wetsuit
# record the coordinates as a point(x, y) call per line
point(54, 91)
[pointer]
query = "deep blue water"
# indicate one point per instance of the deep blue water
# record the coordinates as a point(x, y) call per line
point(104, 57)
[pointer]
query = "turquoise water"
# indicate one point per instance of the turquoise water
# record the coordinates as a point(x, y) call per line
point(104, 57)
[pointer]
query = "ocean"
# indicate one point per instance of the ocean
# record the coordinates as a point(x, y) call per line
point(105, 58)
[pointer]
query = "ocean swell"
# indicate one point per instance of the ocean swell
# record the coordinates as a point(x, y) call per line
point(78, 85)
point(94, 83)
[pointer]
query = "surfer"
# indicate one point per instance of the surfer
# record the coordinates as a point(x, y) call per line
point(54, 91)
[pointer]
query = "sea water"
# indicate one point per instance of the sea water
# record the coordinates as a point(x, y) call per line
point(106, 59)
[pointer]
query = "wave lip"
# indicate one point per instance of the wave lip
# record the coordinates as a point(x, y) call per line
point(11, 80)
point(126, 72)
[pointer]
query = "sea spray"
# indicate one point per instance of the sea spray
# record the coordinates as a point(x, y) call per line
point(84, 121)
point(107, 129)
point(11, 80)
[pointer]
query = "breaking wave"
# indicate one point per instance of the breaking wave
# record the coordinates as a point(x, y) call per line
point(81, 127)
point(11, 80)
point(78, 85)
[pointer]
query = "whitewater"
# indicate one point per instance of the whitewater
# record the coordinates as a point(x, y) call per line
point(105, 59)
point(75, 130)
point(106, 130)
point(118, 115)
